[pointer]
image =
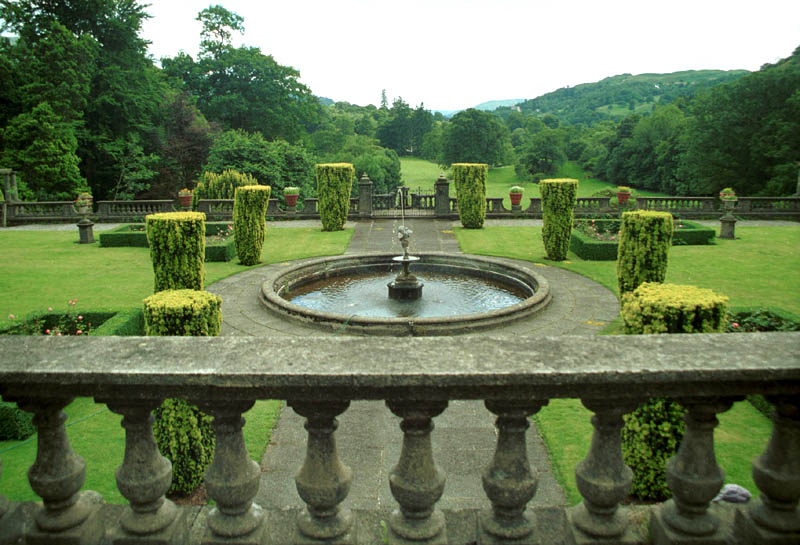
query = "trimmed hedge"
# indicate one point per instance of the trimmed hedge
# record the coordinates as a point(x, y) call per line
point(185, 437)
point(123, 323)
point(470, 182)
point(249, 222)
point(124, 236)
point(559, 196)
point(182, 313)
point(15, 424)
point(183, 433)
point(334, 184)
point(177, 249)
point(644, 241)
point(593, 249)
point(220, 186)
point(650, 437)
point(672, 308)
point(222, 250)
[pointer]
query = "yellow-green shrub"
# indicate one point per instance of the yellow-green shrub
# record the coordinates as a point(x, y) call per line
point(183, 313)
point(220, 186)
point(470, 182)
point(177, 243)
point(653, 432)
point(249, 217)
point(334, 183)
point(559, 196)
point(671, 308)
point(644, 242)
point(183, 432)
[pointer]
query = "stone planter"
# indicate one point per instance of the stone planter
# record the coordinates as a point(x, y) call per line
point(185, 201)
point(291, 200)
point(623, 197)
point(516, 198)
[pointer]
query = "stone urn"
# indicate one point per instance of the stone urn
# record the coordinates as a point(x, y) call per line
point(623, 194)
point(185, 198)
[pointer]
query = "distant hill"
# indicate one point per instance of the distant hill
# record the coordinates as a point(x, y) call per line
point(485, 106)
point(618, 96)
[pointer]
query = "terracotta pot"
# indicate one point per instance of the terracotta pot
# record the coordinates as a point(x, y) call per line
point(291, 200)
point(185, 200)
point(623, 197)
point(516, 198)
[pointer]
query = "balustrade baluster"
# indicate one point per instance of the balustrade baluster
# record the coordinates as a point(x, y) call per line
point(509, 481)
point(323, 482)
point(694, 479)
point(232, 479)
point(774, 517)
point(143, 478)
point(57, 476)
point(416, 482)
point(603, 480)
point(11, 523)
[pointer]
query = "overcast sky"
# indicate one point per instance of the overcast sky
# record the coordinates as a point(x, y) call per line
point(453, 54)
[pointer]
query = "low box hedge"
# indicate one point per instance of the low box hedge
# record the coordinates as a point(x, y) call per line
point(133, 235)
point(592, 249)
point(104, 321)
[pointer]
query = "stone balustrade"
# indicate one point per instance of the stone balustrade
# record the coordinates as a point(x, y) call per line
point(417, 377)
point(130, 210)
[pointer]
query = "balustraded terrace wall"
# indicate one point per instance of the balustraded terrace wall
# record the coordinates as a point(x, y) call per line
point(417, 378)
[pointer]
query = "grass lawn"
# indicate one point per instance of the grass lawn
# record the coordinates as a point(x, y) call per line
point(753, 270)
point(421, 173)
point(47, 268)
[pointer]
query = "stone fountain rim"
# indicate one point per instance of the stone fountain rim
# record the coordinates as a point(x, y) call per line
point(269, 296)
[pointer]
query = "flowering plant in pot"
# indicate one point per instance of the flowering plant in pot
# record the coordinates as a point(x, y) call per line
point(728, 198)
point(291, 194)
point(185, 197)
point(83, 203)
point(515, 194)
point(623, 194)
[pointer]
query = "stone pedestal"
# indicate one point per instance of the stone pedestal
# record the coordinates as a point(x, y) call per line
point(86, 230)
point(727, 227)
point(365, 196)
point(442, 197)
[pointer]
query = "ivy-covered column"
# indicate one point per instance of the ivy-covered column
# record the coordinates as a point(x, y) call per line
point(416, 482)
point(324, 481)
point(694, 479)
point(774, 517)
point(509, 481)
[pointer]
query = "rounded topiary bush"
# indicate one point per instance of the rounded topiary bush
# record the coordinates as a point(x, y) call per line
point(672, 308)
point(185, 437)
point(650, 437)
point(15, 424)
point(183, 313)
point(334, 184)
point(177, 243)
point(559, 196)
point(644, 241)
point(249, 222)
point(470, 182)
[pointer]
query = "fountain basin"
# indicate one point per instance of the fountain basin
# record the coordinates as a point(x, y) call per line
point(534, 290)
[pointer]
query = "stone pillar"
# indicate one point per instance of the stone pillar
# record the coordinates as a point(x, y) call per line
point(603, 480)
point(144, 477)
point(509, 481)
point(774, 517)
point(694, 479)
point(416, 482)
point(442, 197)
point(232, 479)
point(86, 231)
point(365, 196)
point(57, 475)
point(727, 227)
point(323, 482)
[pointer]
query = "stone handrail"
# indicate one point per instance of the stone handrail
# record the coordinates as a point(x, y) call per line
point(417, 377)
point(687, 207)
point(19, 212)
point(127, 210)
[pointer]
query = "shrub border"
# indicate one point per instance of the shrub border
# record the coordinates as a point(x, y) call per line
point(123, 237)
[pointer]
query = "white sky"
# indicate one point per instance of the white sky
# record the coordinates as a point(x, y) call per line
point(453, 54)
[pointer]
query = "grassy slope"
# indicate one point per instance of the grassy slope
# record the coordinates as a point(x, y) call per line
point(421, 173)
point(752, 270)
point(47, 268)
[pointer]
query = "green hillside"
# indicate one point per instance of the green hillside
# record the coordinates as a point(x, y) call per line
point(618, 96)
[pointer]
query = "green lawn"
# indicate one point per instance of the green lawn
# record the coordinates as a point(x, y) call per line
point(753, 270)
point(419, 173)
point(48, 268)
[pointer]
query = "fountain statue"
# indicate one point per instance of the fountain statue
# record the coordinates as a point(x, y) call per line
point(406, 287)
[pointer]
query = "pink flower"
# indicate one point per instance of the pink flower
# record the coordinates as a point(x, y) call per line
point(80, 317)
point(734, 324)
point(49, 308)
point(47, 332)
point(78, 332)
point(58, 334)
point(10, 316)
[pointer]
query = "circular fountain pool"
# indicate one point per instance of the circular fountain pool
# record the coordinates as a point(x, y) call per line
point(461, 294)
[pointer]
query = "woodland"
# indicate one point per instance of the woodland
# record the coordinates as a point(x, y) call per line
point(84, 108)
